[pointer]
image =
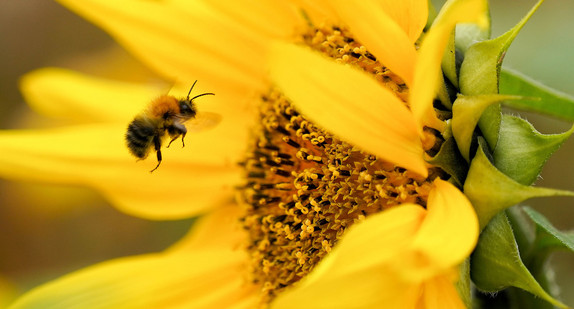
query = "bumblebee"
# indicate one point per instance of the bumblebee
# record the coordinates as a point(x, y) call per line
point(165, 114)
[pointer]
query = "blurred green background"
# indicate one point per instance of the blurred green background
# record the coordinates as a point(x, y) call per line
point(47, 231)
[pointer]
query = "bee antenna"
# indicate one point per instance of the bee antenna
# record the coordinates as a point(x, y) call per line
point(190, 89)
point(200, 95)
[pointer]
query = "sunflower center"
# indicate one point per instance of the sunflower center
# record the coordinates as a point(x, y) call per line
point(304, 186)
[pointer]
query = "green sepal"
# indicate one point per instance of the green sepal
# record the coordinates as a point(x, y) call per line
point(468, 34)
point(547, 236)
point(523, 229)
point(481, 66)
point(462, 37)
point(489, 124)
point(432, 14)
point(547, 239)
point(466, 112)
point(522, 151)
point(463, 286)
point(552, 102)
point(496, 263)
point(491, 191)
point(535, 261)
point(443, 95)
point(449, 159)
point(480, 71)
point(448, 63)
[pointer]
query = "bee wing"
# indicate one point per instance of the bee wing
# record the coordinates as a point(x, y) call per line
point(203, 121)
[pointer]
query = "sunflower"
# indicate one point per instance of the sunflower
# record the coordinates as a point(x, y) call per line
point(315, 187)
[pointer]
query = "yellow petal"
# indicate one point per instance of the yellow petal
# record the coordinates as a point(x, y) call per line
point(348, 103)
point(371, 24)
point(440, 293)
point(447, 236)
point(356, 274)
point(82, 98)
point(428, 74)
point(189, 181)
point(272, 19)
point(410, 15)
point(198, 43)
point(71, 95)
point(218, 229)
point(202, 279)
point(316, 10)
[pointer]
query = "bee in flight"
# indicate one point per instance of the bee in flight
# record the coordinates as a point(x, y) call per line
point(166, 114)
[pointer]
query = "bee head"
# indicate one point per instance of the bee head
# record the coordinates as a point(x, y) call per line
point(186, 107)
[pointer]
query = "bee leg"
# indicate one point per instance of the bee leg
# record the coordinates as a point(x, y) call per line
point(157, 144)
point(176, 130)
point(171, 141)
point(182, 136)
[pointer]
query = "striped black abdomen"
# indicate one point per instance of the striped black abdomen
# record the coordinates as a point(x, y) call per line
point(139, 137)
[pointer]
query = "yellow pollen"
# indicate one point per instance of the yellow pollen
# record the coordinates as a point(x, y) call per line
point(304, 186)
point(337, 43)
